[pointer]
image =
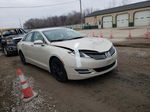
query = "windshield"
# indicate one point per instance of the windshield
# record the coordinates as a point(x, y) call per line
point(62, 34)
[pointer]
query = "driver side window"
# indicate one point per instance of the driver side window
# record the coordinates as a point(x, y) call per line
point(37, 36)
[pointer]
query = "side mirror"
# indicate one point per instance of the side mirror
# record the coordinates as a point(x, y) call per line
point(38, 42)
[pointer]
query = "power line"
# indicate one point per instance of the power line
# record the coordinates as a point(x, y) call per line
point(39, 6)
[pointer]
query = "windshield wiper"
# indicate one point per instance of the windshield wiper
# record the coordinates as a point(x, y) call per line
point(57, 40)
point(66, 39)
point(76, 38)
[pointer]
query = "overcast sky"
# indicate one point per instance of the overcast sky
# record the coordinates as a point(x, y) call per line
point(9, 17)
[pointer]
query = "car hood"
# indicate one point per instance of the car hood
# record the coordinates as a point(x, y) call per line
point(20, 36)
point(87, 43)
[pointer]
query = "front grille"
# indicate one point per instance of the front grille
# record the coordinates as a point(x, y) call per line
point(105, 68)
point(17, 40)
point(99, 55)
point(94, 54)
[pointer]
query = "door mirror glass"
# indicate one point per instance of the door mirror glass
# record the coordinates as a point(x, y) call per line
point(38, 42)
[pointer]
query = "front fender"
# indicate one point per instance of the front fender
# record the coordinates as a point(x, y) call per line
point(61, 53)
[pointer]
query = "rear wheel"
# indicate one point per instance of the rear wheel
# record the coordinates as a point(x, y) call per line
point(58, 70)
point(22, 58)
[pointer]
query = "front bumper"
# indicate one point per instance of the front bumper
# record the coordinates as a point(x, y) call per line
point(12, 49)
point(91, 68)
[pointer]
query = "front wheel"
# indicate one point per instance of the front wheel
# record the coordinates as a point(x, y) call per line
point(22, 58)
point(58, 70)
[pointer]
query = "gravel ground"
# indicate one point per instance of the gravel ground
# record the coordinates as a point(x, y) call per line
point(125, 89)
point(10, 91)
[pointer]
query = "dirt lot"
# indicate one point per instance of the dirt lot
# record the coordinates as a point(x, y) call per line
point(125, 89)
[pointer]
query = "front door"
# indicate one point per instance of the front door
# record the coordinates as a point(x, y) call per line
point(39, 51)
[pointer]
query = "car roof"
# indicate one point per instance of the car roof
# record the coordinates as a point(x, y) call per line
point(45, 29)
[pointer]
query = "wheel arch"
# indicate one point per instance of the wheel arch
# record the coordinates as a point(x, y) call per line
point(19, 51)
point(52, 57)
point(63, 78)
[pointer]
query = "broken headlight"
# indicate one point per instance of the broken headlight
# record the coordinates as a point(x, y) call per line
point(83, 55)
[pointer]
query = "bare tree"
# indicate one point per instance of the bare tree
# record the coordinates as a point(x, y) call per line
point(88, 11)
point(70, 19)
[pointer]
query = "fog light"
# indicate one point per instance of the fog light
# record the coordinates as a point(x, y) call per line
point(10, 48)
point(83, 71)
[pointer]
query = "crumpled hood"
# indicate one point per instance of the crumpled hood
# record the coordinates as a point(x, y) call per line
point(88, 43)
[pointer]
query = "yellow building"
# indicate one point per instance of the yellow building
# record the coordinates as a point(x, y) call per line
point(137, 14)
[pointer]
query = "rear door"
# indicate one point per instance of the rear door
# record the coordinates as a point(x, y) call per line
point(26, 45)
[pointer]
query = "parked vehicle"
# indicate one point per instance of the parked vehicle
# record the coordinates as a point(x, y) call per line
point(9, 39)
point(27, 30)
point(67, 54)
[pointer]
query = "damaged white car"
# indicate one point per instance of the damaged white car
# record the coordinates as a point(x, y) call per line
point(67, 54)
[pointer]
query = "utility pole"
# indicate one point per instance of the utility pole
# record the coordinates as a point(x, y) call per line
point(20, 23)
point(81, 13)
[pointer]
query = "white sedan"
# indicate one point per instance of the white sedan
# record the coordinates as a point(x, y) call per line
point(67, 54)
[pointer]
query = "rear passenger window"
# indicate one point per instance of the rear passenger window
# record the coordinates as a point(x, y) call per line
point(28, 37)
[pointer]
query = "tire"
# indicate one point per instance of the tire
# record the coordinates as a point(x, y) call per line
point(5, 52)
point(58, 70)
point(22, 58)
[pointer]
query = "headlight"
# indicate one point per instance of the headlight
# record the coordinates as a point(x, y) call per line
point(112, 50)
point(9, 42)
point(83, 55)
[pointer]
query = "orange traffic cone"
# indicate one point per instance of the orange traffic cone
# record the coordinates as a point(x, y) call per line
point(129, 36)
point(101, 35)
point(147, 35)
point(111, 36)
point(27, 92)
